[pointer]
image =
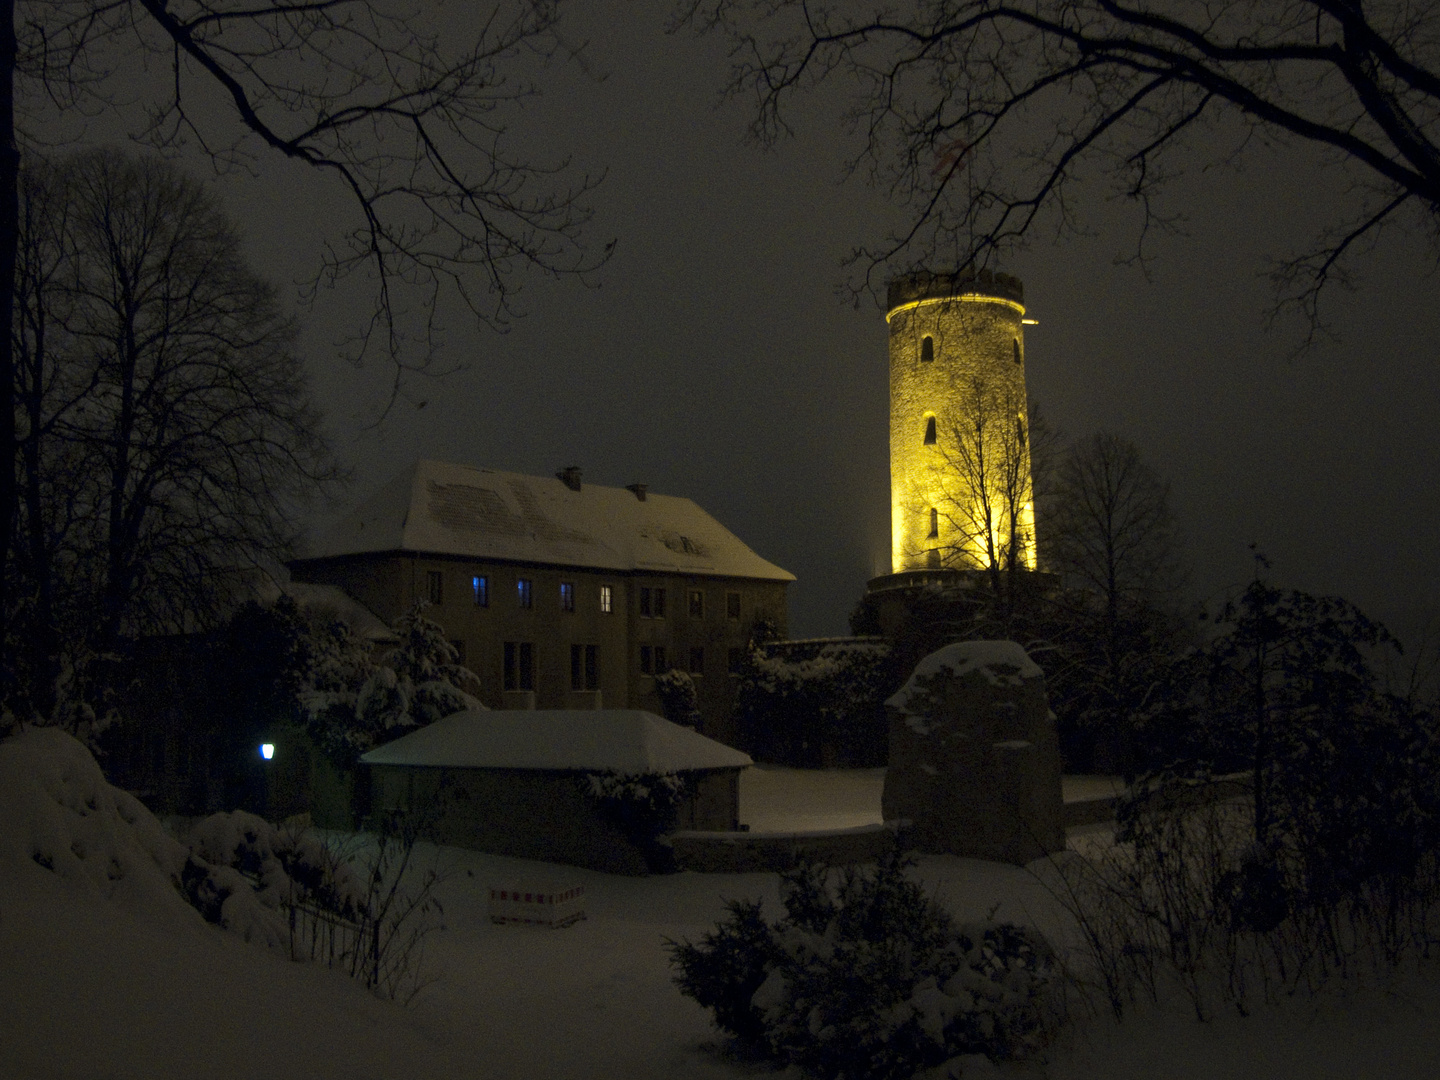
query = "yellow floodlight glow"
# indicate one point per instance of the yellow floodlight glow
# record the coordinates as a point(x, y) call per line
point(968, 298)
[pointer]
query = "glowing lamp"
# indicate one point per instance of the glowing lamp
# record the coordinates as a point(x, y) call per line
point(267, 750)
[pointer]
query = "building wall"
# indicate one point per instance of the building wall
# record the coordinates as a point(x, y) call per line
point(538, 814)
point(978, 349)
point(389, 584)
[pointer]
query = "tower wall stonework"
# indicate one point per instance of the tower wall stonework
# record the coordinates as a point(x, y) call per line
point(978, 351)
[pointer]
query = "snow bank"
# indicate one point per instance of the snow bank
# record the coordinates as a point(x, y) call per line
point(58, 815)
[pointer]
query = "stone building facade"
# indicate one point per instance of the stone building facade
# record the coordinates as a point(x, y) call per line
point(559, 594)
point(957, 365)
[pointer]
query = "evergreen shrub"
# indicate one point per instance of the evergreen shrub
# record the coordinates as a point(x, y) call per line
point(865, 976)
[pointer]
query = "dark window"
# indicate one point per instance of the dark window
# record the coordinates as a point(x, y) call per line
point(1017, 350)
point(661, 664)
point(732, 605)
point(435, 586)
point(519, 665)
point(607, 599)
point(934, 522)
point(929, 431)
point(567, 596)
point(697, 660)
point(927, 350)
point(524, 592)
point(657, 603)
point(644, 602)
point(584, 667)
point(481, 587)
point(459, 646)
point(735, 659)
point(647, 660)
point(697, 604)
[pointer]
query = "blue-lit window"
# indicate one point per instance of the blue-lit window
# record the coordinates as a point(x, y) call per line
point(525, 592)
point(567, 596)
point(481, 587)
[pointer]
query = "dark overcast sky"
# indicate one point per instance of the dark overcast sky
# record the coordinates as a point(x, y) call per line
point(713, 359)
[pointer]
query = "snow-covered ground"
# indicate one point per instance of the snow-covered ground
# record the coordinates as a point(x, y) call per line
point(98, 979)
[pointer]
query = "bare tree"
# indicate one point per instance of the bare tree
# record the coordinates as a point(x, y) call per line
point(167, 433)
point(986, 520)
point(980, 116)
point(1110, 531)
point(1110, 527)
point(409, 123)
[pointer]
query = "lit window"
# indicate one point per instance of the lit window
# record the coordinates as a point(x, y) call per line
point(524, 592)
point(934, 522)
point(584, 667)
point(927, 350)
point(697, 661)
point(519, 665)
point(607, 601)
point(435, 586)
point(697, 604)
point(480, 586)
point(732, 605)
point(929, 431)
point(567, 596)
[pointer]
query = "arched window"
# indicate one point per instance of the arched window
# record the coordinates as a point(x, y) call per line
point(927, 350)
point(934, 522)
point(1016, 343)
point(929, 431)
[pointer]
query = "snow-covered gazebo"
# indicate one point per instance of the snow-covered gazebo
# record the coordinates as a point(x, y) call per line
point(511, 782)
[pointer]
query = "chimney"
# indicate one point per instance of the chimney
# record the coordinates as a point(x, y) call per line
point(638, 489)
point(570, 477)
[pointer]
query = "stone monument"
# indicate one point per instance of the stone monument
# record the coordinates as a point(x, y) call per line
point(974, 756)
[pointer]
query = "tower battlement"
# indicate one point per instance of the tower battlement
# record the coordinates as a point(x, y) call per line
point(912, 288)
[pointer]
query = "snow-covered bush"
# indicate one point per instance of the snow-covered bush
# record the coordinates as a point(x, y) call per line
point(678, 701)
point(351, 908)
point(866, 976)
point(354, 703)
point(791, 706)
point(644, 806)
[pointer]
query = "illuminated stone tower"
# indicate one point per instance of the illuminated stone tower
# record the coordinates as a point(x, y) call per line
point(959, 457)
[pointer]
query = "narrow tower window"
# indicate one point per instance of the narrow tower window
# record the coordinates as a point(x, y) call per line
point(1016, 343)
point(1020, 430)
point(934, 522)
point(930, 431)
point(927, 350)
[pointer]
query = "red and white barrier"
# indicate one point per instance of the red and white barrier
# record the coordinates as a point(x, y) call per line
point(546, 905)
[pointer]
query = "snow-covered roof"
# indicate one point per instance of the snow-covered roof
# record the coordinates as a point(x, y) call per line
point(629, 741)
point(443, 509)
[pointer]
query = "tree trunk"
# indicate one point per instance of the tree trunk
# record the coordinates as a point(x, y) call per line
point(9, 237)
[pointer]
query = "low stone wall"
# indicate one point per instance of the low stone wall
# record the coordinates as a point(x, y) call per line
point(747, 852)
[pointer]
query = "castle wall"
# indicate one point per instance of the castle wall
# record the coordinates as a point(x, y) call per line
point(973, 366)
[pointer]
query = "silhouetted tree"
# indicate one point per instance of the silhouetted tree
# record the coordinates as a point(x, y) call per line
point(981, 117)
point(410, 123)
point(166, 432)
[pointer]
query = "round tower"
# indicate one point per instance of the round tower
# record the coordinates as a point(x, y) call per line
point(959, 456)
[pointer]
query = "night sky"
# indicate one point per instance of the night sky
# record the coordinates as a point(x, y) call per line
point(713, 358)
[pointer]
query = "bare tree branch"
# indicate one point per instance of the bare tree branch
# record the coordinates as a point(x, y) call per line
point(977, 115)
